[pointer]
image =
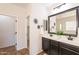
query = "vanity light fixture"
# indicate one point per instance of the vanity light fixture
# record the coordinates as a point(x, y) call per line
point(57, 7)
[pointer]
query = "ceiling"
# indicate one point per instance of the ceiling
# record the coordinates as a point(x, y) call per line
point(23, 5)
point(47, 5)
point(44, 4)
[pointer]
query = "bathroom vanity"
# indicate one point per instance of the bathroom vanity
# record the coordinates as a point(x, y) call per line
point(54, 47)
point(63, 36)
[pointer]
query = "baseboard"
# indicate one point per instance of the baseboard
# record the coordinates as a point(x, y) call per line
point(40, 53)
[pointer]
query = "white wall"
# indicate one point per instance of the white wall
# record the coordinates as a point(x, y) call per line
point(20, 14)
point(39, 12)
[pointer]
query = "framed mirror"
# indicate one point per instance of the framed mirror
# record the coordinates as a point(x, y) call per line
point(65, 22)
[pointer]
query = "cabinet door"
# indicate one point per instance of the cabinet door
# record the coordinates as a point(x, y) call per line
point(46, 45)
point(54, 48)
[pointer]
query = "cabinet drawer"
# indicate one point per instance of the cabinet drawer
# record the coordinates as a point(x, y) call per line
point(71, 47)
point(66, 51)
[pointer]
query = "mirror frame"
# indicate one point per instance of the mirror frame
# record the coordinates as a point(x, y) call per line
point(77, 20)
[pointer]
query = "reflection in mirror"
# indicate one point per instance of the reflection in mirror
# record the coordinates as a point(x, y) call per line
point(7, 35)
point(65, 23)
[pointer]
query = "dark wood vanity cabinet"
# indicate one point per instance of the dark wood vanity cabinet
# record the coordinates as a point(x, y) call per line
point(52, 47)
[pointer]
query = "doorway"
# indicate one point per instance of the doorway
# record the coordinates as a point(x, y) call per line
point(8, 35)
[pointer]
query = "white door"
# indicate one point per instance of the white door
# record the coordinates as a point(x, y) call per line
point(7, 31)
